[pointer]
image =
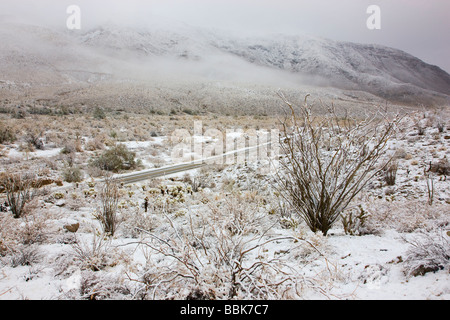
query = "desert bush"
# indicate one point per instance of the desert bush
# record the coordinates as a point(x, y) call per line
point(390, 174)
point(327, 161)
point(95, 144)
point(428, 253)
point(109, 196)
point(95, 286)
point(34, 228)
point(98, 113)
point(133, 221)
point(95, 255)
point(213, 258)
point(20, 114)
point(19, 189)
point(354, 221)
point(72, 147)
point(72, 174)
point(31, 230)
point(115, 159)
point(25, 255)
point(7, 134)
point(197, 181)
point(33, 138)
point(405, 216)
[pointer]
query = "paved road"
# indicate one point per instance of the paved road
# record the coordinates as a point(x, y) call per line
point(159, 172)
point(182, 167)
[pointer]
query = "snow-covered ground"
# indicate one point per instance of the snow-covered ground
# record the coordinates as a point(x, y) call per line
point(195, 222)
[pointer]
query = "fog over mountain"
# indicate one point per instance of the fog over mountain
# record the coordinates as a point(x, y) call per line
point(167, 50)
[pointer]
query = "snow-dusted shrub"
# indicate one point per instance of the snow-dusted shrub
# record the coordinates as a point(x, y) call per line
point(430, 252)
point(328, 160)
point(136, 220)
point(217, 255)
point(95, 255)
point(34, 228)
point(72, 174)
point(34, 138)
point(71, 147)
point(19, 189)
point(25, 255)
point(405, 216)
point(355, 221)
point(7, 133)
point(109, 196)
point(115, 159)
point(95, 286)
point(95, 143)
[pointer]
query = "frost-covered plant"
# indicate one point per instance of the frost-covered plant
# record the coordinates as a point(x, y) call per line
point(95, 255)
point(133, 221)
point(390, 174)
point(428, 253)
point(95, 286)
point(19, 189)
point(327, 161)
point(7, 134)
point(72, 174)
point(25, 255)
point(109, 199)
point(213, 257)
point(405, 216)
point(115, 159)
point(354, 221)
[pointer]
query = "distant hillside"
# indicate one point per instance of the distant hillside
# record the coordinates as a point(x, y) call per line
point(41, 56)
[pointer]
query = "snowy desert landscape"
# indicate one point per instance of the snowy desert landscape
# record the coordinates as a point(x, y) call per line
point(397, 246)
point(350, 201)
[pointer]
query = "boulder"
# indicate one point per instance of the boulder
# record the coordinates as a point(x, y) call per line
point(72, 227)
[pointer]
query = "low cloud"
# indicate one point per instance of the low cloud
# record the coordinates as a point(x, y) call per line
point(416, 26)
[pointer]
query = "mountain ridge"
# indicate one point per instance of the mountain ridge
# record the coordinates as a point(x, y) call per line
point(32, 54)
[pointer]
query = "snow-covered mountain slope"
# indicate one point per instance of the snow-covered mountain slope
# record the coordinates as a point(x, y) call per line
point(384, 71)
point(40, 55)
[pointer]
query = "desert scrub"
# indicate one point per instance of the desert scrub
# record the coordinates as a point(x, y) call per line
point(327, 161)
point(115, 159)
point(7, 134)
point(355, 221)
point(428, 253)
point(72, 174)
point(212, 259)
point(405, 216)
point(109, 196)
point(96, 254)
point(19, 189)
point(390, 174)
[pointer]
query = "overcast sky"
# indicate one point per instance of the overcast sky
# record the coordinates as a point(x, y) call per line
point(419, 27)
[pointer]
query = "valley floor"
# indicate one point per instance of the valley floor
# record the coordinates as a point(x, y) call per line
point(218, 232)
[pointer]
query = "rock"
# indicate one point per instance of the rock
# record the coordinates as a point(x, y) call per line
point(60, 203)
point(389, 191)
point(72, 227)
